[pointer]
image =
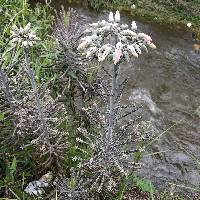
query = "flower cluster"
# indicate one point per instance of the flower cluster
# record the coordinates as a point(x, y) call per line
point(127, 41)
point(24, 36)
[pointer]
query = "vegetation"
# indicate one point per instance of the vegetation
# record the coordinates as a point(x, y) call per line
point(63, 132)
point(175, 13)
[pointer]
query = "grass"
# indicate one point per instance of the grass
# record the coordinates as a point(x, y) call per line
point(171, 12)
point(18, 166)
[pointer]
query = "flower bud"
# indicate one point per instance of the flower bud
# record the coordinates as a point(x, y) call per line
point(91, 51)
point(144, 47)
point(131, 49)
point(126, 56)
point(106, 28)
point(124, 26)
point(128, 32)
point(103, 23)
point(117, 55)
point(189, 24)
point(84, 44)
point(119, 45)
point(117, 16)
point(24, 43)
point(104, 52)
point(147, 38)
point(152, 45)
point(133, 7)
point(134, 25)
point(95, 25)
point(137, 48)
point(111, 17)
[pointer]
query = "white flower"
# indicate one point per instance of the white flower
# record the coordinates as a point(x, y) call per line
point(133, 6)
point(91, 51)
point(189, 24)
point(94, 37)
point(128, 32)
point(151, 45)
point(119, 45)
point(24, 43)
point(24, 36)
point(124, 26)
point(134, 25)
point(21, 30)
point(131, 49)
point(84, 44)
point(137, 48)
point(117, 55)
point(129, 43)
point(111, 17)
point(147, 39)
point(117, 16)
point(27, 28)
point(89, 30)
point(79, 140)
point(103, 23)
point(104, 52)
point(15, 40)
point(126, 56)
point(95, 25)
point(106, 28)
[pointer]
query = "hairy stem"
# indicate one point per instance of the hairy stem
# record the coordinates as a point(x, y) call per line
point(5, 87)
point(111, 103)
point(31, 75)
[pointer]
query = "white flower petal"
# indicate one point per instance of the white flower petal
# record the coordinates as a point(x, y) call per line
point(111, 17)
point(117, 16)
point(189, 24)
point(24, 43)
point(21, 30)
point(30, 43)
point(14, 40)
point(27, 27)
point(124, 26)
point(152, 45)
point(134, 25)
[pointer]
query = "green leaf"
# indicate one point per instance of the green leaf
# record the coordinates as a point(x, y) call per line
point(13, 165)
point(145, 185)
point(2, 116)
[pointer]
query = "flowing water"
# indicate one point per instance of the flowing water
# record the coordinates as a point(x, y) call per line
point(167, 82)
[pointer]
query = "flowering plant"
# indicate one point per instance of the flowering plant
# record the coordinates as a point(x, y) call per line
point(24, 36)
point(115, 42)
point(127, 41)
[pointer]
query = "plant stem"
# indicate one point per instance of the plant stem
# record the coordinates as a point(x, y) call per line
point(31, 75)
point(111, 103)
point(5, 87)
point(112, 99)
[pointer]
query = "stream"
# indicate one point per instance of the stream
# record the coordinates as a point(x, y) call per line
point(166, 82)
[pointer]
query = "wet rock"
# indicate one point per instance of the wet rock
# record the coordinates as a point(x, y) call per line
point(198, 111)
point(193, 177)
point(143, 96)
point(180, 158)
